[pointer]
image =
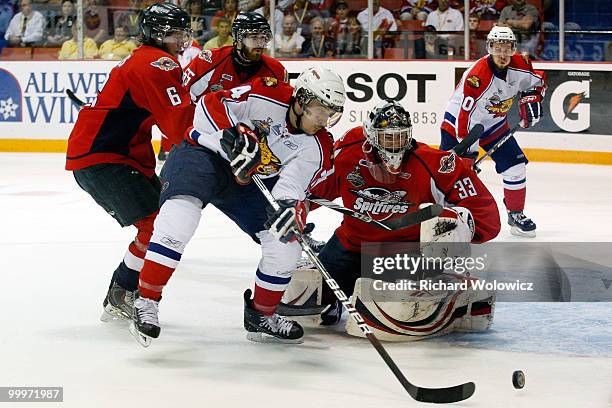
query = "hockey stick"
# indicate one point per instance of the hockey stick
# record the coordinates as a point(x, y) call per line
point(493, 149)
point(469, 140)
point(75, 99)
point(434, 395)
point(405, 221)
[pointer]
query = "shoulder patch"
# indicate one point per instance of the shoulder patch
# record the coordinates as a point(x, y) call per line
point(165, 64)
point(447, 164)
point(526, 59)
point(473, 81)
point(206, 55)
point(269, 81)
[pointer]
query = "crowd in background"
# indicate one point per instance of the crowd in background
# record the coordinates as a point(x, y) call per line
point(303, 28)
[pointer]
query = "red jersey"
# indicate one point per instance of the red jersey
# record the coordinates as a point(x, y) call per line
point(214, 70)
point(427, 175)
point(142, 90)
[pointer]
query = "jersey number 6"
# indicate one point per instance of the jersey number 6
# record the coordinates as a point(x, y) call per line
point(175, 98)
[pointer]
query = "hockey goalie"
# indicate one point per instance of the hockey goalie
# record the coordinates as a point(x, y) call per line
point(380, 171)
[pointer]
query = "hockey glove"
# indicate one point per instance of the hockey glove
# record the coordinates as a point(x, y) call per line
point(530, 107)
point(241, 145)
point(290, 217)
point(449, 234)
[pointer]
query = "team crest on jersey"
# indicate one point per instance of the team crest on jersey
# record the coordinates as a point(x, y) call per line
point(380, 203)
point(525, 58)
point(447, 163)
point(216, 87)
point(474, 81)
point(499, 108)
point(269, 81)
point(355, 177)
point(206, 55)
point(165, 64)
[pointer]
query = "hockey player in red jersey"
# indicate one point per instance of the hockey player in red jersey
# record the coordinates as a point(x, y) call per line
point(484, 96)
point(269, 128)
point(231, 66)
point(380, 171)
point(109, 148)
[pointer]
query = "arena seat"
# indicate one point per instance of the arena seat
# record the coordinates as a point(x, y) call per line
point(45, 53)
point(16, 54)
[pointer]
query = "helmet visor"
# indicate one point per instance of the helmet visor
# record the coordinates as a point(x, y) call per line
point(182, 38)
point(320, 115)
point(501, 49)
point(256, 39)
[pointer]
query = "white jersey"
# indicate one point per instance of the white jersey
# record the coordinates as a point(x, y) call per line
point(296, 158)
point(485, 95)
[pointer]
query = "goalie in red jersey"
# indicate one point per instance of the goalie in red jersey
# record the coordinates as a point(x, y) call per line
point(380, 171)
point(110, 151)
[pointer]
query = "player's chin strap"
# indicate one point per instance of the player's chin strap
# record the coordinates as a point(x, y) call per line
point(298, 117)
point(435, 395)
point(243, 62)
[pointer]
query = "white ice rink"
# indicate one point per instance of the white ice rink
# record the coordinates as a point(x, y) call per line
point(58, 251)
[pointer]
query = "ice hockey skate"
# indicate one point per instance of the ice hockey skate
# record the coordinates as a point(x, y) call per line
point(145, 325)
point(269, 329)
point(118, 303)
point(522, 226)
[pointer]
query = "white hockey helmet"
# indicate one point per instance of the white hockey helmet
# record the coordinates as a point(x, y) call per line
point(324, 86)
point(500, 35)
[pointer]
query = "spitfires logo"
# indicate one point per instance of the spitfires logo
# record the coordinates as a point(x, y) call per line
point(447, 163)
point(498, 108)
point(380, 203)
point(10, 98)
point(165, 64)
point(206, 55)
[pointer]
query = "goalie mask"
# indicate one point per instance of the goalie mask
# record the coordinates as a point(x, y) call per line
point(388, 132)
point(164, 23)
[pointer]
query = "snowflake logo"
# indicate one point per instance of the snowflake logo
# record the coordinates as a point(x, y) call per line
point(8, 108)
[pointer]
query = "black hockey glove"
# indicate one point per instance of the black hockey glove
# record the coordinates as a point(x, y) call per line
point(530, 107)
point(291, 216)
point(241, 145)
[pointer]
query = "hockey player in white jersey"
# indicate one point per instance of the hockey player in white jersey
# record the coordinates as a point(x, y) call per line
point(266, 128)
point(484, 96)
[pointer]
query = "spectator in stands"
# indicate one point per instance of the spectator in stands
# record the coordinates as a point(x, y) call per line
point(94, 17)
point(416, 9)
point(7, 10)
point(198, 21)
point(524, 19)
point(229, 11)
point(119, 47)
point(477, 38)
point(338, 26)
point(445, 18)
point(353, 43)
point(249, 5)
point(487, 10)
point(69, 48)
point(62, 27)
point(303, 11)
point(278, 16)
point(382, 21)
point(130, 18)
point(288, 43)
point(223, 37)
point(26, 27)
point(319, 45)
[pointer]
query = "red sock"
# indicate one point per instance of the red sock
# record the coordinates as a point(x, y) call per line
point(515, 199)
point(266, 301)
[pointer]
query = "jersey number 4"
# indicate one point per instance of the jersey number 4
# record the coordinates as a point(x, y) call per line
point(466, 188)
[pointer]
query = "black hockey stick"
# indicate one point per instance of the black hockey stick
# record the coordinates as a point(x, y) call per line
point(405, 221)
point(469, 140)
point(434, 395)
point(75, 99)
point(493, 149)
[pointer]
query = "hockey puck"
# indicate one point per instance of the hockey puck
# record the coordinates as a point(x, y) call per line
point(518, 379)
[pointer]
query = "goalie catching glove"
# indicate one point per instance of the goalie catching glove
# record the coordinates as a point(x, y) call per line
point(449, 234)
point(290, 217)
point(530, 107)
point(241, 145)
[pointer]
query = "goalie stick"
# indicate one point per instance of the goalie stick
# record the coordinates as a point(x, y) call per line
point(433, 395)
point(75, 99)
point(493, 149)
point(405, 221)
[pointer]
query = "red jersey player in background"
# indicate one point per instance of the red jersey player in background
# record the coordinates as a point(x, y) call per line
point(382, 172)
point(484, 96)
point(231, 66)
point(110, 151)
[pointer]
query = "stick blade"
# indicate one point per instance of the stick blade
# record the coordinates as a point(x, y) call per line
point(444, 395)
point(414, 218)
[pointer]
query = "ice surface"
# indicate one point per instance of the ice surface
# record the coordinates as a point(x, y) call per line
point(58, 250)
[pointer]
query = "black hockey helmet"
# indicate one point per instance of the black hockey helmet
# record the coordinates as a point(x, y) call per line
point(389, 129)
point(159, 19)
point(248, 22)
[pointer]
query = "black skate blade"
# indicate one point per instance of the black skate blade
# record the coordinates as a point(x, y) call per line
point(443, 395)
point(259, 337)
point(142, 339)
